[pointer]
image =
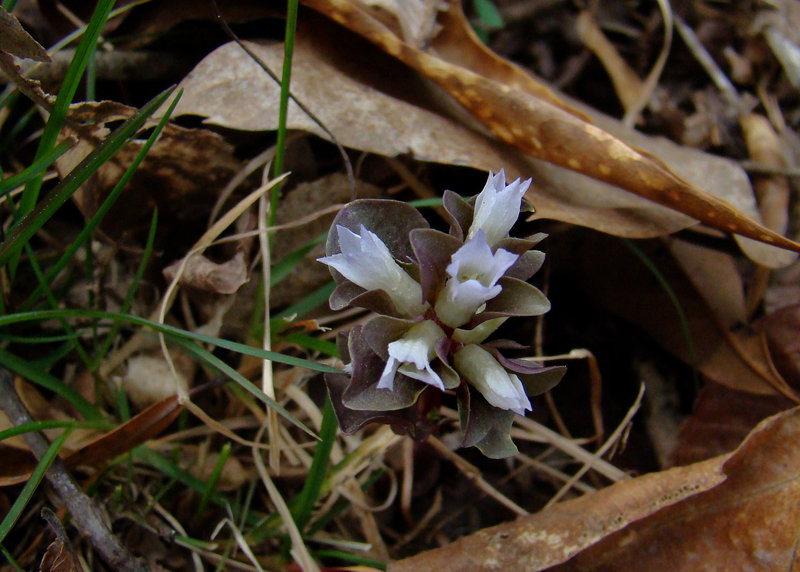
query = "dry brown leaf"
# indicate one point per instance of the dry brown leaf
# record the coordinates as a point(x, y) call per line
point(168, 178)
point(782, 328)
point(16, 41)
point(149, 379)
point(735, 512)
point(733, 357)
point(138, 429)
point(720, 421)
point(549, 133)
point(749, 522)
point(627, 85)
point(201, 273)
point(59, 558)
point(553, 535)
point(772, 192)
point(336, 77)
point(717, 279)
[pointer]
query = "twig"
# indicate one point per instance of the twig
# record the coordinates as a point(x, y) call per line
point(87, 516)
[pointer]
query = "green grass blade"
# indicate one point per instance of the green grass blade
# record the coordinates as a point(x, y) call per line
point(42, 425)
point(311, 343)
point(673, 298)
point(26, 228)
point(351, 558)
point(243, 382)
point(35, 169)
point(10, 559)
point(304, 306)
point(283, 106)
point(319, 465)
point(30, 487)
point(213, 479)
point(177, 333)
point(171, 470)
point(44, 379)
point(65, 96)
point(137, 278)
point(108, 202)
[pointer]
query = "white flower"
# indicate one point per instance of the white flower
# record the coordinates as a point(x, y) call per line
point(484, 372)
point(474, 272)
point(497, 207)
point(411, 355)
point(366, 261)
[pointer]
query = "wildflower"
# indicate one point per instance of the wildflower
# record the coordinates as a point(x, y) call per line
point(473, 274)
point(411, 355)
point(366, 261)
point(497, 207)
point(484, 372)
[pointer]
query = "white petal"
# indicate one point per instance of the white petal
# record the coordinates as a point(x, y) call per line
point(497, 207)
point(387, 377)
point(366, 261)
point(411, 355)
point(474, 272)
point(475, 260)
point(484, 372)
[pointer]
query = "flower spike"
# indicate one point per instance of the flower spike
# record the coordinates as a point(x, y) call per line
point(497, 207)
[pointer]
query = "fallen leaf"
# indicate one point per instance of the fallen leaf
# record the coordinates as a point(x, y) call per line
point(730, 355)
point(150, 379)
point(748, 522)
point(781, 329)
point(59, 558)
point(137, 430)
point(553, 535)
point(16, 41)
point(201, 273)
point(331, 72)
point(168, 178)
point(734, 512)
point(720, 421)
point(548, 132)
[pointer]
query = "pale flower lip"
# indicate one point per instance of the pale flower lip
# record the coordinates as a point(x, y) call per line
point(497, 207)
point(484, 372)
point(474, 271)
point(411, 355)
point(366, 261)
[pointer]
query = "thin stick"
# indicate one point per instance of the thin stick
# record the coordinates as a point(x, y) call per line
point(473, 473)
point(87, 516)
point(612, 439)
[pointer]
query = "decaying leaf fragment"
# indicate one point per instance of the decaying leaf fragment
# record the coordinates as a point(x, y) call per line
point(734, 512)
point(168, 178)
point(16, 41)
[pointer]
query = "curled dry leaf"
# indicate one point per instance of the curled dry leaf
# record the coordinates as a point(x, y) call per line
point(720, 420)
point(331, 71)
point(201, 273)
point(549, 132)
point(137, 430)
point(734, 512)
point(168, 178)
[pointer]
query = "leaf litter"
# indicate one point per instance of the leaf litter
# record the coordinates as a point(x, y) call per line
point(417, 98)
